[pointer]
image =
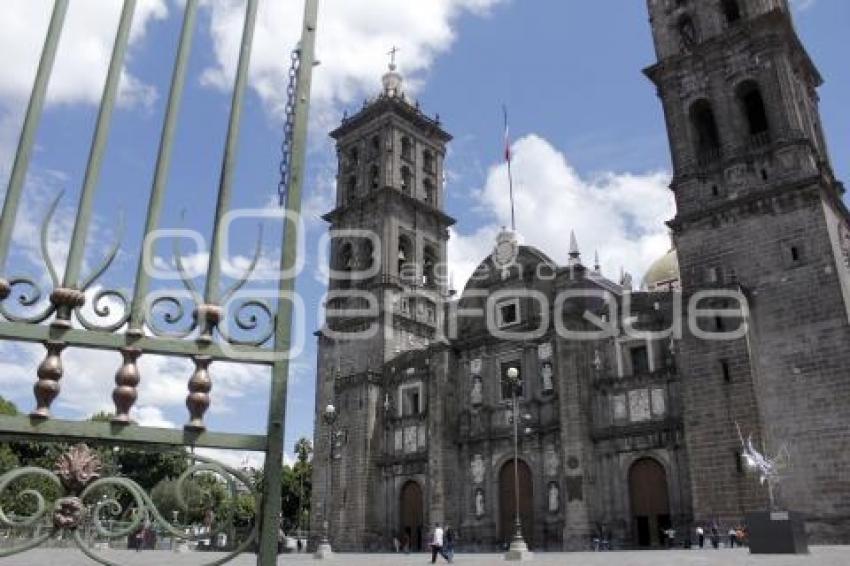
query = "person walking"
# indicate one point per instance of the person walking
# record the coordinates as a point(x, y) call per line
point(733, 537)
point(700, 536)
point(715, 536)
point(437, 541)
point(740, 535)
point(449, 545)
point(671, 537)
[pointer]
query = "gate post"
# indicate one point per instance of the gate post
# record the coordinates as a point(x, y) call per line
point(270, 513)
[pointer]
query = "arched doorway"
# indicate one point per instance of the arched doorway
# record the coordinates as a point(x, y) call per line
point(650, 504)
point(411, 515)
point(507, 502)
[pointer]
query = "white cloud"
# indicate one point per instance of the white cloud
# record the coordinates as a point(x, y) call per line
point(352, 43)
point(147, 415)
point(86, 386)
point(236, 266)
point(84, 49)
point(619, 214)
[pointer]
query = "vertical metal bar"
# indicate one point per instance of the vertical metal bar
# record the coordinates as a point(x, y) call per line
point(283, 324)
point(163, 160)
point(104, 118)
point(229, 162)
point(31, 121)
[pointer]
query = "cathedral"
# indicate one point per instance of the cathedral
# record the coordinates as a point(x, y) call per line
point(632, 403)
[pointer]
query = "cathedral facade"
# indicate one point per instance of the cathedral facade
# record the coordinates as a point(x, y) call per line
point(631, 404)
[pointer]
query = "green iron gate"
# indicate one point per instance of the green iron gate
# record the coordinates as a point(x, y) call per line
point(59, 324)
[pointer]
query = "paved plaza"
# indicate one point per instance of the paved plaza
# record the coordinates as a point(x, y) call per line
point(820, 556)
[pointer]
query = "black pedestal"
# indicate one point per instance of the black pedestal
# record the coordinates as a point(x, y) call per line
point(777, 533)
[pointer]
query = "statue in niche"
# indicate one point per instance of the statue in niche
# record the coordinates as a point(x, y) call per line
point(597, 360)
point(477, 469)
point(546, 372)
point(476, 396)
point(554, 498)
point(550, 461)
point(479, 503)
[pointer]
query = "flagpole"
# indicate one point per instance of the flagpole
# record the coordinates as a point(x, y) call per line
point(510, 174)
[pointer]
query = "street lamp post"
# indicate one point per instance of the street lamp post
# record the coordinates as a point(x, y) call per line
point(518, 550)
point(324, 549)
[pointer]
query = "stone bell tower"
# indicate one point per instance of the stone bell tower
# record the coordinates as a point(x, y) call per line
point(386, 287)
point(758, 209)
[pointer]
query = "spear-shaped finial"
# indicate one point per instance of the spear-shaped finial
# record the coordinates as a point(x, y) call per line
point(574, 252)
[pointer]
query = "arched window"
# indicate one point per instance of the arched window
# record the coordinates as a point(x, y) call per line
point(705, 130)
point(351, 188)
point(428, 161)
point(375, 145)
point(405, 256)
point(429, 263)
point(374, 177)
point(687, 32)
point(752, 104)
point(353, 158)
point(406, 148)
point(345, 264)
point(731, 10)
point(428, 187)
point(406, 180)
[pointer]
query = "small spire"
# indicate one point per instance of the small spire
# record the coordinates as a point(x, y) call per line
point(626, 281)
point(574, 252)
point(596, 268)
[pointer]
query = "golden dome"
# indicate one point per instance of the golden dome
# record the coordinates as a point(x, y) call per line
point(663, 274)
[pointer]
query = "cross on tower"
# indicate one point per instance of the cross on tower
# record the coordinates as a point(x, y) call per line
point(392, 53)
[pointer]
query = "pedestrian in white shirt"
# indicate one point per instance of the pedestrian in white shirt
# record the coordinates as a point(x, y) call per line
point(437, 544)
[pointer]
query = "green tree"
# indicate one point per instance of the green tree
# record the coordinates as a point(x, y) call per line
point(202, 493)
point(8, 408)
point(19, 454)
point(296, 486)
point(145, 467)
point(8, 458)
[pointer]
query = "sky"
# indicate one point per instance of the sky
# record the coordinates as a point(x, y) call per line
point(589, 144)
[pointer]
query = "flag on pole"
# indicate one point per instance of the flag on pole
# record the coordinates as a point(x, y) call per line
point(508, 161)
point(507, 136)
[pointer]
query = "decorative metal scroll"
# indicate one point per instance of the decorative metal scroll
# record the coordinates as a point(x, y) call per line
point(86, 497)
point(69, 307)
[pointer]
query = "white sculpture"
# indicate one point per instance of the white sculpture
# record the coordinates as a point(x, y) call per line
point(550, 461)
point(554, 498)
point(597, 360)
point(476, 397)
point(476, 467)
point(546, 375)
point(769, 468)
point(479, 503)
